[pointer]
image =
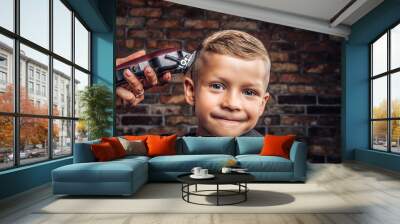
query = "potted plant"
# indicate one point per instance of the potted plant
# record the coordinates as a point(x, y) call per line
point(96, 104)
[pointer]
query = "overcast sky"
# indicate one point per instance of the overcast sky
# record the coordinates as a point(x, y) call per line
point(34, 26)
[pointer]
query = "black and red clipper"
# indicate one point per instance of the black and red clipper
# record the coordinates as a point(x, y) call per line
point(162, 61)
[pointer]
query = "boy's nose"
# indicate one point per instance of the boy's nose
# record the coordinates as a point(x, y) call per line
point(231, 101)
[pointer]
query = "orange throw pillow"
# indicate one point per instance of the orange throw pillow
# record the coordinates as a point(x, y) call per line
point(136, 137)
point(103, 151)
point(275, 145)
point(116, 145)
point(161, 145)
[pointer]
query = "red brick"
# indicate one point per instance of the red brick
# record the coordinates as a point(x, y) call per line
point(322, 68)
point(177, 120)
point(175, 13)
point(284, 67)
point(146, 12)
point(302, 89)
point(137, 22)
point(319, 47)
point(281, 46)
point(298, 120)
point(278, 88)
point(163, 23)
point(279, 56)
point(176, 99)
point(185, 34)
point(202, 24)
point(121, 21)
point(240, 25)
point(161, 89)
point(219, 16)
point(147, 33)
point(166, 110)
point(134, 43)
point(122, 8)
point(160, 3)
point(177, 89)
point(120, 33)
point(134, 2)
point(295, 78)
point(161, 44)
point(151, 44)
point(301, 36)
point(273, 78)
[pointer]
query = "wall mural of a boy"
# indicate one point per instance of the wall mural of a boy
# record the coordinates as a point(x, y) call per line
point(250, 77)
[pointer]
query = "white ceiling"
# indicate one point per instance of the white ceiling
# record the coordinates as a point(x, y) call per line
point(314, 15)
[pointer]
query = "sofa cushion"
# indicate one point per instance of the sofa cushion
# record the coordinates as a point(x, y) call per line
point(249, 145)
point(134, 147)
point(111, 171)
point(161, 145)
point(185, 163)
point(257, 163)
point(207, 145)
point(103, 151)
point(277, 145)
point(116, 145)
point(83, 152)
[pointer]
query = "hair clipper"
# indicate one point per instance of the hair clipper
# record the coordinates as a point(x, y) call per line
point(162, 61)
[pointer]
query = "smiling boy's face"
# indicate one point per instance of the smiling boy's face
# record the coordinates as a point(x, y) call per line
point(229, 94)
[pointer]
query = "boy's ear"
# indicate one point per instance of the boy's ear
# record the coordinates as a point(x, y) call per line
point(264, 102)
point(188, 85)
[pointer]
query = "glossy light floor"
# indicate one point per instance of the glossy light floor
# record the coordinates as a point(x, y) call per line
point(377, 188)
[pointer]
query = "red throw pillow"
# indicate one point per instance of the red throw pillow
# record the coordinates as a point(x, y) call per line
point(103, 151)
point(161, 145)
point(116, 145)
point(275, 145)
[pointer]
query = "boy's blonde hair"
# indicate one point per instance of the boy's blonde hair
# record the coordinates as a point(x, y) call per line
point(233, 43)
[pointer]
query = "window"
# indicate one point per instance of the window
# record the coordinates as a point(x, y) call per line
point(3, 78)
point(38, 89)
point(43, 90)
point(385, 91)
point(37, 75)
point(38, 80)
point(43, 77)
point(30, 72)
point(3, 72)
point(30, 87)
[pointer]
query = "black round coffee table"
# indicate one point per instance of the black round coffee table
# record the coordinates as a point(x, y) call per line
point(238, 179)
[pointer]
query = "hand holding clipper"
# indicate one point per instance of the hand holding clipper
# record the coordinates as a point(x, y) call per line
point(141, 71)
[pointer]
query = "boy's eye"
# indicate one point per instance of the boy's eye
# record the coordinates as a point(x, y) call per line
point(218, 86)
point(250, 92)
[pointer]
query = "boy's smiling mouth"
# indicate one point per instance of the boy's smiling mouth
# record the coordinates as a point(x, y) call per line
point(228, 119)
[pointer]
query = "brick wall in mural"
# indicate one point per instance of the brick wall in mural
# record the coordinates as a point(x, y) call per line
point(305, 80)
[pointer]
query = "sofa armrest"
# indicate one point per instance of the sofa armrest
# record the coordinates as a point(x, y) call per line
point(298, 155)
point(83, 152)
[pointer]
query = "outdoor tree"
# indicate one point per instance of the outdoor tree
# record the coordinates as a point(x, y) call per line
point(380, 127)
point(33, 131)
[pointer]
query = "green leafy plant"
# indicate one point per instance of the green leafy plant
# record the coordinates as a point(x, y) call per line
point(96, 104)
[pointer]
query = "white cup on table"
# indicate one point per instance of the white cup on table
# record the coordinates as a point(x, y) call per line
point(196, 170)
point(203, 172)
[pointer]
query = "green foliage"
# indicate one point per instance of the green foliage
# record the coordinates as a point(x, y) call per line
point(96, 102)
point(380, 127)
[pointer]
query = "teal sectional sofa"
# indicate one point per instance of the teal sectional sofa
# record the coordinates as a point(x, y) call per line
point(125, 176)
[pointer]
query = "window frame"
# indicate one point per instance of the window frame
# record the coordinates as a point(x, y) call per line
point(16, 114)
point(388, 74)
